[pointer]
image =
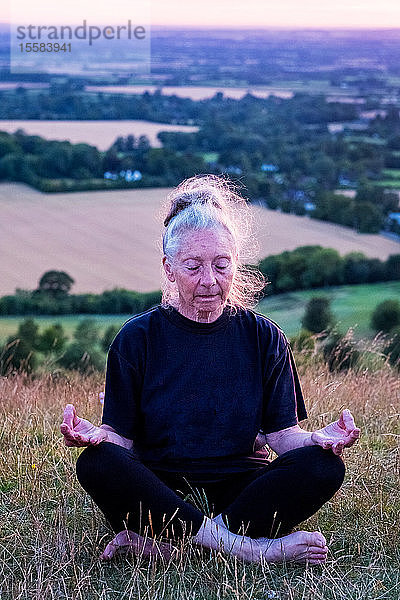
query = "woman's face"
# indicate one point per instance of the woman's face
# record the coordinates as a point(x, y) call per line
point(203, 270)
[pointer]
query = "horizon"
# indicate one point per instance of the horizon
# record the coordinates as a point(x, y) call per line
point(180, 26)
point(224, 14)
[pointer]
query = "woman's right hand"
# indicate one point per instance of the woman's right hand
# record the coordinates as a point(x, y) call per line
point(80, 432)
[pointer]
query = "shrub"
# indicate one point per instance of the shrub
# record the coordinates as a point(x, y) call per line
point(318, 316)
point(340, 351)
point(392, 347)
point(386, 316)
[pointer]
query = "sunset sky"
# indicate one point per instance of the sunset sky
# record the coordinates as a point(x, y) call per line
point(212, 13)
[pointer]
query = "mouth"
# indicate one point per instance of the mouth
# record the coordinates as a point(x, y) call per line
point(208, 296)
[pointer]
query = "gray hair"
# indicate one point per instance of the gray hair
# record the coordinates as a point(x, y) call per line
point(210, 202)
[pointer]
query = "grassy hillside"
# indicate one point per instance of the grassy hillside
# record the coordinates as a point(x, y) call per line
point(52, 533)
point(352, 305)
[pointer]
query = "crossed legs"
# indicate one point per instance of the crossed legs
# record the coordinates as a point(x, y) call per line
point(255, 507)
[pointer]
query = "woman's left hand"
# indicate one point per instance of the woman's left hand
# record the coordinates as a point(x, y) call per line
point(338, 435)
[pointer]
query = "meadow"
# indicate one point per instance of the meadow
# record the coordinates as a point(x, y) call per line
point(351, 305)
point(51, 533)
point(110, 239)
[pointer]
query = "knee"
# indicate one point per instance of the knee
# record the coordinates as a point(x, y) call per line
point(326, 469)
point(87, 464)
point(93, 463)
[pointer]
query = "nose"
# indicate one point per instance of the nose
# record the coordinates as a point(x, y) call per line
point(207, 276)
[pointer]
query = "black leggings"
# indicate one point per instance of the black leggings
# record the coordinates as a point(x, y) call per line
point(265, 502)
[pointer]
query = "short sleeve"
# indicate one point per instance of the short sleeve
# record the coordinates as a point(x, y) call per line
point(122, 394)
point(283, 402)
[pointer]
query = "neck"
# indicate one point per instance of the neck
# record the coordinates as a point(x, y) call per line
point(201, 316)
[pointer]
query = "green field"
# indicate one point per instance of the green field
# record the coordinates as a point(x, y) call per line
point(352, 306)
point(391, 173)
point(389, 183)
point(9, 325)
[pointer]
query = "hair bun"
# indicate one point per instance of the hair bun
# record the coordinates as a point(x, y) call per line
point(197, 196)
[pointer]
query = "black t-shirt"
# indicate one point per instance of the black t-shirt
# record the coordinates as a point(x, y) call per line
point(193, 396)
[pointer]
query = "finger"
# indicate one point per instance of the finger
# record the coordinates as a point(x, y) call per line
point(348, 420)
point(338, 448)
point(73, 436)
point(108, 551)
point(326, 444)
point(316, 561)
point(69, 412)
point(67, 432)
point(351, 437)
point(355, 433)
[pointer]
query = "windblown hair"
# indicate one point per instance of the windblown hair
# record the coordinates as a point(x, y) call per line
point(212, 202)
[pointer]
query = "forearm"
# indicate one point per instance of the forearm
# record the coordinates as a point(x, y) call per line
point(115, 438)
point(289, 439)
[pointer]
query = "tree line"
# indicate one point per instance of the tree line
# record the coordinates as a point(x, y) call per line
point(305, 267)
point(280, 150)
point(309, 267)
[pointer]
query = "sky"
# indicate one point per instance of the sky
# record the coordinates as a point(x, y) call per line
point(211, 13)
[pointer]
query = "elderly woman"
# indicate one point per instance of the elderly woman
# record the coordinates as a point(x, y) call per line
point(194, 388)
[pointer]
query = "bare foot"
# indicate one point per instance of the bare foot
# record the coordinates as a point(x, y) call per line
point(300, 547)
point(129, 542)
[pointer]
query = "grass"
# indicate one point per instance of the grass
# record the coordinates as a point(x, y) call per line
point(365, 139)
point(391, 173)
point(388, 183)
point(51, 533)
point(351, 305)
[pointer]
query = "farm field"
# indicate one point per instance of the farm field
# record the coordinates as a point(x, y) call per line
point(352, 306)
point(110, 239)
point(96, 133)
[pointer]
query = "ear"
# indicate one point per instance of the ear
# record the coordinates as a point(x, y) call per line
point(167, 269)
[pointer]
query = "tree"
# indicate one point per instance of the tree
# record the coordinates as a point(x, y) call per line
point(28, 332)
point(356, 268)
point(19, 352)
point(340, 352)
point(325, 267)
point(83, 354)
point(108, 337)
point(82, 358)
point(17, 355)
point(393, 267)
point(52, 339)
point(392, 347)
point(318, 316)
point(386, 316)
point(87, 333)
point(55, 283)
point(368, 218)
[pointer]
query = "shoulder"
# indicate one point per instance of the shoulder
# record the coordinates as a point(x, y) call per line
point(142, 320)
point(263, 325)
point(136, 330)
